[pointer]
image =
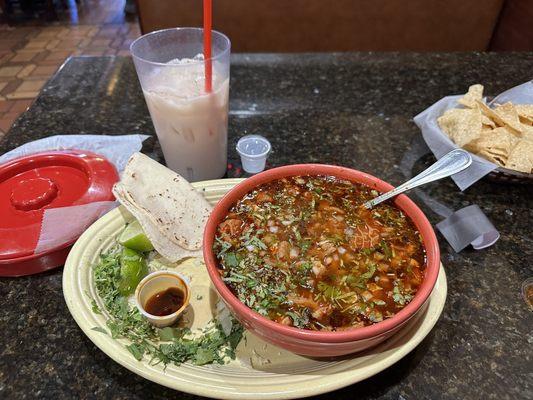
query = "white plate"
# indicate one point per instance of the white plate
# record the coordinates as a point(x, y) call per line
point(277, 374)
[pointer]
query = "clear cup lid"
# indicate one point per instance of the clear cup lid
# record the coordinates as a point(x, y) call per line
point(253, 146)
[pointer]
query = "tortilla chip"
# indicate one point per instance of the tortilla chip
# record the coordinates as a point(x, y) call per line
point(506, 119)
point(521, 157)
point(475, 92)
point(171, 212)
point(497, 143)
point(526, 121)
point(486, 121)
point(527, 132)
point(503, 134)
point(485, 130)
point(461, 125)
point(492, 157)
point(524, 110)
point(525, 113)
point(508, 113)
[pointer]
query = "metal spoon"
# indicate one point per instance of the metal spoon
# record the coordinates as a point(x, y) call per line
point(452, 163)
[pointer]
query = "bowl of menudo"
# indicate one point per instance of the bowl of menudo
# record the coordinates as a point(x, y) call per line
point(302, 264)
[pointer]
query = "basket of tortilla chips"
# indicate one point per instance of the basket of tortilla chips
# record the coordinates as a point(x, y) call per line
point(501, 133)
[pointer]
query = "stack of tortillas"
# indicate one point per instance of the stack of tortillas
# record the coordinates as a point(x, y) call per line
point(171, 212)
point(503, 134)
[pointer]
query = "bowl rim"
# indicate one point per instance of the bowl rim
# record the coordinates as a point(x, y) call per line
point(409, 208)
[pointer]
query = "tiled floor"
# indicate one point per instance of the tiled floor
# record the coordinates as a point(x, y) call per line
point(30, 55)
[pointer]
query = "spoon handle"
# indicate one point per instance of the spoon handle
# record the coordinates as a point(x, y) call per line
point(452, 163)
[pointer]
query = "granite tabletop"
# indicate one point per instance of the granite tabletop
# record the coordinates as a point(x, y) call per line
point(354, 110)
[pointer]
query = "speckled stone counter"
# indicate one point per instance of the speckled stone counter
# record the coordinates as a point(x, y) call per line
point(349, 109)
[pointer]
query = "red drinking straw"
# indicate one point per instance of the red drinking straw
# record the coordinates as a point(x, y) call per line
point(208, 70)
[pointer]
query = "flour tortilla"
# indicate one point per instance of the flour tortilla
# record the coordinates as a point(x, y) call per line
point(171, 212)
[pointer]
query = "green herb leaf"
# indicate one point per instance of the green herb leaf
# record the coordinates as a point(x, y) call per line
point(204, 356)
point(98, 329)
point(167, 334)
point(397, 296)
point(95, 308)
point(297, 234)
point(136, 351)
point(256, 242)
point(221, 246)
point(328, 291)
point(305, 245)
point(367, 251)
point(235, 338)
point(298, 320)
point(368, 274)
point(386, 250)
point(230, 260)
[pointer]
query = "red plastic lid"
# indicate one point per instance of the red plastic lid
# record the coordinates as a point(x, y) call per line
point(28, 186)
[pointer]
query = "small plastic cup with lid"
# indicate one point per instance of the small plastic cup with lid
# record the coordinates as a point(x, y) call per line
point(254, 150)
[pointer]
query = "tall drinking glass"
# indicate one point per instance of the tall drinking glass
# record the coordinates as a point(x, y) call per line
point(191, 124)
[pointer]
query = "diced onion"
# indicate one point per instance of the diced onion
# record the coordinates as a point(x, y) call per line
point(286, 223)
point(341, 250)
point(317, 269)
point(348, 231)
point(294, 252)
point(273, 229)
point(250, 247)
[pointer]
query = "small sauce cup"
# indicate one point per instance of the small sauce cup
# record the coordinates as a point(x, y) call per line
point(155, 283)
point(254, 150)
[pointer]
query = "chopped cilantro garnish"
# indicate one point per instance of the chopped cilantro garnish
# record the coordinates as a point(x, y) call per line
point(256, 242)
point(126, 322)
point(231, 259)
point(386, 250)
point(330, 292)
point(299, 320)
point(94, 307)
point(224, 246)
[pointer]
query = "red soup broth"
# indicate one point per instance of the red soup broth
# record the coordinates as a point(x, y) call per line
point(304, 252)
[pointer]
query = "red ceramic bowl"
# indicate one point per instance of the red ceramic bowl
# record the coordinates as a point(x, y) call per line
point(316, 343)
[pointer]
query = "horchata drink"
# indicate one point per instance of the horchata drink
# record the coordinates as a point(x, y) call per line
point(191, 121)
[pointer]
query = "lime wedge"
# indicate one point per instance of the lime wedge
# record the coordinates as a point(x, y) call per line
point(132, 269)
point(133, 237)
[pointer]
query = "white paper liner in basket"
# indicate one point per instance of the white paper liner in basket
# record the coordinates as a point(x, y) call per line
point(65, 224)
point(440, 144)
